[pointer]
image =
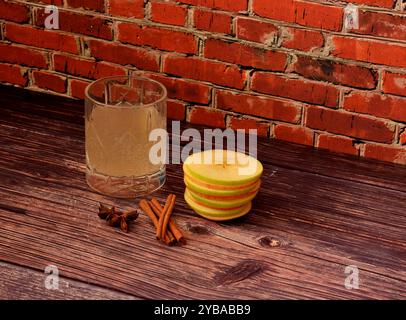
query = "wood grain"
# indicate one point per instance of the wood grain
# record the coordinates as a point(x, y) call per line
point(23, 283)
point(316, 213)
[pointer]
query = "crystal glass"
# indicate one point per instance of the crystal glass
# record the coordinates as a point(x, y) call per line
point(120, 113)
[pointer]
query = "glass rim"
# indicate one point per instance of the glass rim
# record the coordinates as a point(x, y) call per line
point(162, 98)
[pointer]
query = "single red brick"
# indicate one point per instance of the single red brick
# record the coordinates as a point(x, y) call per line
point(126, 8)
point(245, 55)
point(207, 116)
point(13, 74)
point(376, 104)
point(77, 88)
point(376, 3)
point(97, 5)
point(256, 30)
point(378, 52)
point(277, 10)
point(138, 57)
point(205, 70)
point(79, 23)
point(270, 108)
point(338, 73)
point(23, 56)
point(163, 39)
point(295, 134)
point(304, 13)
point(247, 124)
point(227, 5)
point(168, 13)
point(184, 89)
point(176, 110)
point(49, 81)
point(297, 89)
point(301, 39)
point(85, 68)
point(337, 144)
point(394, 83)
point(402, 138)
point(381, 25)
point(348, 124)
point(385, 153)
point(318, 15)
point(14, 11)
point(41, 38)
point(212, 21)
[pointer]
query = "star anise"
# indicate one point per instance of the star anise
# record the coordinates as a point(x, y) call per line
point(117, 218)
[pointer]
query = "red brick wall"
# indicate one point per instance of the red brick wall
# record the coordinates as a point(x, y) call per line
point(286, 67)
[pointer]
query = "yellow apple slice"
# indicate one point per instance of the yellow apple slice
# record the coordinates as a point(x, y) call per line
point(221, 187)
point(223, 167)
point(223, 202)
point(219, 190)
point(216, 214)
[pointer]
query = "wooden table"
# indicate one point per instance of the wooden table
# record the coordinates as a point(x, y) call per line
point(317, 213)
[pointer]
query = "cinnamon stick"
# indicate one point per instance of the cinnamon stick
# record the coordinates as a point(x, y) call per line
point(162, 217)
point(144, 205)
point(158, 212)
point(156, 206)
point(166, 215)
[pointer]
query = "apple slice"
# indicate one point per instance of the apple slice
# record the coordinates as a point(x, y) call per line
point(216, 214)
point(219, 190)
point(223, 202)
point(223, 167)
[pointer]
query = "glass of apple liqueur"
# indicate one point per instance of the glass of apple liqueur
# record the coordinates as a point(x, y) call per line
point(120, 114)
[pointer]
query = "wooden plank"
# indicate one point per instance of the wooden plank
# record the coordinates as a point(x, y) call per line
point(20, 283)
point(42, 198)
point(96, 253)
point(41, 104)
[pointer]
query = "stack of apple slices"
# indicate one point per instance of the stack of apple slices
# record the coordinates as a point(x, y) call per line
point(220, 184)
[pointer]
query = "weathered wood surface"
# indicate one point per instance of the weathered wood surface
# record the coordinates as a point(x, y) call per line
point(317, 212)
point(24, 283)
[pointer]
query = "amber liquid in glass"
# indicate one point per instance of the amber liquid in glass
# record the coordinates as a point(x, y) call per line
point(117, 137)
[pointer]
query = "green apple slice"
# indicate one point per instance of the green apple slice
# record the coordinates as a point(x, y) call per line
point(217, 190)
point(216, 214)
point(217, 202)
point(223, 167)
